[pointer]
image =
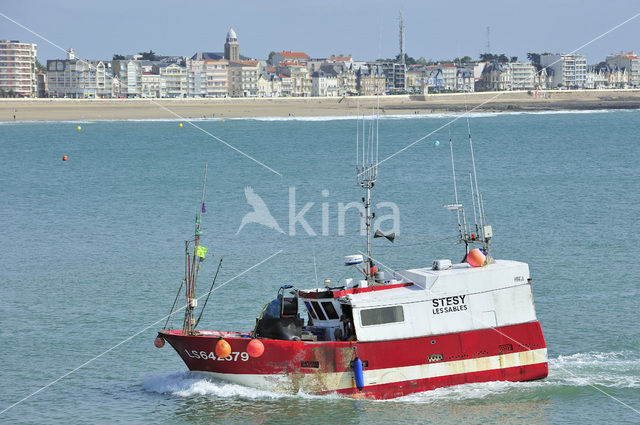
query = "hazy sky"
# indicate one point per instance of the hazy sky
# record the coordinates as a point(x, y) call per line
point(366, 29)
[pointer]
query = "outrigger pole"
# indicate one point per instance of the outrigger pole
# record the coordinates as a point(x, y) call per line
point(366, 174)
point(193, 266)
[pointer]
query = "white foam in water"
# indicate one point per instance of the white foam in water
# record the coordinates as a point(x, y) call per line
point(188, 384)
point(618, 369)
point(331, 117)
point(465, 392)
point(424, 116)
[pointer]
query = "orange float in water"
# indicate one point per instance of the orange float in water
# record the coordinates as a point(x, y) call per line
point(476, 257)
point(64, 158)
point(223, 349)
point(255, 348)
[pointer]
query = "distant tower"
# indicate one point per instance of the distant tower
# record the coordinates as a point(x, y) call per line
point(71, 54)
point(402, 37)
point(488, 39)
point(231, 47)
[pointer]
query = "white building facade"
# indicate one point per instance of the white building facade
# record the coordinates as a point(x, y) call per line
point(18, 68)
point(566, 70)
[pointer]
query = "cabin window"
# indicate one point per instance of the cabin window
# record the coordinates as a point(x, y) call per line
point(382, 315)
point(330, 310)
point(318, 310)
point(310, 310)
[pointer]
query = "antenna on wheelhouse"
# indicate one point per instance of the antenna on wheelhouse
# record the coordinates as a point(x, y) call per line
point(485, 233)
point(463, 231)
point(366, 174)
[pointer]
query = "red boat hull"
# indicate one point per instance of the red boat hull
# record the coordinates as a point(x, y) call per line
point(391, 368)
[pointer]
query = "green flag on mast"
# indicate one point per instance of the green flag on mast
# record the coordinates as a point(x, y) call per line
point(201, 251)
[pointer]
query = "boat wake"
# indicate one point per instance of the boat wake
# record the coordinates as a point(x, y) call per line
point(619, 369)
point(189, 384)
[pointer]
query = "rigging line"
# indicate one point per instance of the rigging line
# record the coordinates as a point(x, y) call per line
point(475, 175)
point(455, 186)
point(475, 217)
point(315, 268)
point(174, 304)
point(150, 100)
point(210, 290)
point(129, 338)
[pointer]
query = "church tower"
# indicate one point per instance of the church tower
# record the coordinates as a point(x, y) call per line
point(231, 47)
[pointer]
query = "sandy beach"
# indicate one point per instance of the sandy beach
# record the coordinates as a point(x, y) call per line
point(116, 109)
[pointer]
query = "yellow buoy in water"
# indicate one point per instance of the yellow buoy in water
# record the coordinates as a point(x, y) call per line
point(223, 349)
point(180, 125)
point(79, 128)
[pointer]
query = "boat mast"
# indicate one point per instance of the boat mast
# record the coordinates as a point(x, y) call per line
point(366, 174)
point(192, 302)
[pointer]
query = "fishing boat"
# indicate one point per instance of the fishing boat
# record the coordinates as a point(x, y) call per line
point(385, 333)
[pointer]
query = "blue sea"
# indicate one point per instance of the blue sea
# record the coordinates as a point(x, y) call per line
point(91, 256)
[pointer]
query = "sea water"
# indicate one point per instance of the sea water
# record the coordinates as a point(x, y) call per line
point(91, 256)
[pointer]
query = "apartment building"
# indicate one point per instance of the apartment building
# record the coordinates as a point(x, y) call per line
point(173, 79)
point(628, 61)
point(269, 84)
point(129, 74)
point(324, 84)
point(417, 79)
point(565, 70)
point(150, 85)
point(395, 74)
point(449, 73)
point(465, 82)
point(300, 81)
point(522, 75)
point(288, 56)
point(217, 77)
point(76, 78)
point(18, 68)
point(370, 80)
point(243, 78)
point(196, 78)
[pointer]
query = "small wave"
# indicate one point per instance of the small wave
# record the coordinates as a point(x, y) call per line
point(81, 121)
point(188, 384)
point(618, 369)
point(468, 392)
point(325, 118)
point(440, 115)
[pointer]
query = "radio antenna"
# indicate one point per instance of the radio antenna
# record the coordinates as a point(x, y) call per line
point(366, 174)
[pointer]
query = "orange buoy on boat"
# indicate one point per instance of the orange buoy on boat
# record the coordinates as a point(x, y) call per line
point(476, 257)
point(159, 342)
point(255, 348)
point(223, 349)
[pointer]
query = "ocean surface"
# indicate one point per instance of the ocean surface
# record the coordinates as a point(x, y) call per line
point(91, 256)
